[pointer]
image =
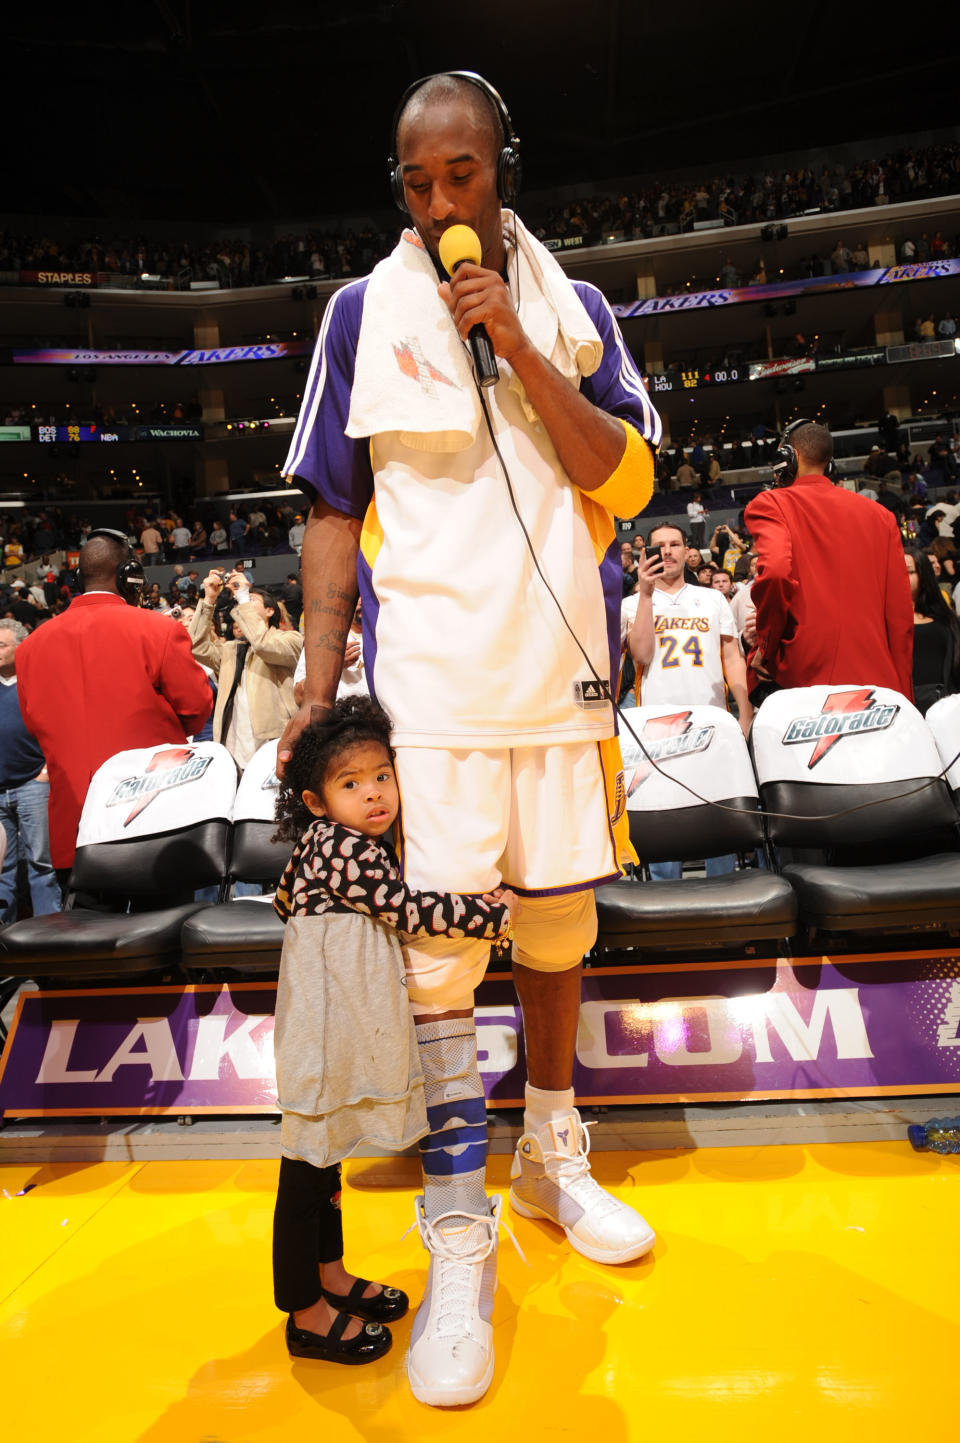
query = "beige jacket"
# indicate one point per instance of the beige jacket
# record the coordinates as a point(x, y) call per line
point(269, 670)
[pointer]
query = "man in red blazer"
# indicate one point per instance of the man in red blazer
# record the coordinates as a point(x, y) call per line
point(831, 595)
point(101, 678)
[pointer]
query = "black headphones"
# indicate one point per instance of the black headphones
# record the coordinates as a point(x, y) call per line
point(129, 574)
point(509, 164)
point(785, 463)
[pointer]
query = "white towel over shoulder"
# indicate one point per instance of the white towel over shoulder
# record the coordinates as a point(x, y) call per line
point(414, 375)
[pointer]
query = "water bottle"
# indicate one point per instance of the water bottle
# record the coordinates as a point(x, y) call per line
point(940, 1134)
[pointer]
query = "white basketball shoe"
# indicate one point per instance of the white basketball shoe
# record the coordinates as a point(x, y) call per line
point(450, 1361)
point(551, 1179)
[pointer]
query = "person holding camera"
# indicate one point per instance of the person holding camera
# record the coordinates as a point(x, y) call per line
point(254, 670)
point(681, 637)
point(685, 647)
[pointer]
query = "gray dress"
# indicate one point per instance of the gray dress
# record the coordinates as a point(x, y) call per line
point(346, 1052)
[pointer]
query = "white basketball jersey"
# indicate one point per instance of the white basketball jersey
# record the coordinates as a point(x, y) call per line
point(686, 665)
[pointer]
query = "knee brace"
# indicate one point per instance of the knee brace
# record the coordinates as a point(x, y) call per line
point(551, 934)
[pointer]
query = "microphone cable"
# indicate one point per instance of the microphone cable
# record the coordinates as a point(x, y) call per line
point(707, 801)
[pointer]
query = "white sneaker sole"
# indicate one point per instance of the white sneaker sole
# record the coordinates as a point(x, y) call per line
point(595, 1254)
point(450, 1397)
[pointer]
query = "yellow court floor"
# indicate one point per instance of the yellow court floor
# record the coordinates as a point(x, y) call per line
point(794, 1293)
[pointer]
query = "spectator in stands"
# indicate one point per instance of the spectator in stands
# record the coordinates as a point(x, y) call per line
point(946, 553)
point(890, 499)
point(722, 581)
point(686, 475)
point(101, 678)
point(180, 539)
point(726, 546)
point(740, 600)
point(628, 563)
point(238, 531)
point(947, 328)
point(291, 593)
point(13, 550)
point(706, 573)
point(295, 534)
point(151, 543)
point(684, 644)
point(946, 589)
point(697, 518)
point(155, 599)
point(198, 539)
point(831, 598)
point(254, 671)
point(936, 634)
point(942, 463)
point(44, 535)
point(218, 537)
point(22, 606)
point(24, 795)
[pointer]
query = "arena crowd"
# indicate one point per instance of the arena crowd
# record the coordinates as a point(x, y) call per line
point(653, 209)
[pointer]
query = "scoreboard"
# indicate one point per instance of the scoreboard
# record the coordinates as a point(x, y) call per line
point(658, 382)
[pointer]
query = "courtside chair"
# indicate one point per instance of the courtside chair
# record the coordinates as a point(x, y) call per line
point(943, 719)
point(890, 868)
point(155, 827)
point(703, 747)
point(244, 936)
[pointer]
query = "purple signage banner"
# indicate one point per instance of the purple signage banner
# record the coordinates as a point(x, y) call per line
point(215, 356)
point(691, 1032)
point(783, 290)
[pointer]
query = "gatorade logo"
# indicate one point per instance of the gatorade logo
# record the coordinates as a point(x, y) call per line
point(174, 767)
point(843, 713)
point(666, 737)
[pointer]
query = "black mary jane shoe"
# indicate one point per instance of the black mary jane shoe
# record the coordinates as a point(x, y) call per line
point(384, 1307)
point(372, 1341)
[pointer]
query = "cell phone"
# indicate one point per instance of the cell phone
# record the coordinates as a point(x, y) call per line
point(653, 553)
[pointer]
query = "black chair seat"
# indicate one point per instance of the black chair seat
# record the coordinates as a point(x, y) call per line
point(745, 906)
point(87, 944)
point(245, 935)
point(920, 893)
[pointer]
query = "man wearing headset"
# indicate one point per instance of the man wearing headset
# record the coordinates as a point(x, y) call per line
point(831, 595)
point(101, 678)
point(503, 726)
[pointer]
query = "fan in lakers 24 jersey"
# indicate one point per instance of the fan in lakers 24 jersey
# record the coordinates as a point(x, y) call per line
point(683, 638)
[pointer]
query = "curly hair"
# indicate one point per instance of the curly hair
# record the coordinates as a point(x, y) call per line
point(350, 722)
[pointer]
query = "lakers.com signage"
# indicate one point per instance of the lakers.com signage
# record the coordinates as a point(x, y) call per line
point(688, 1033)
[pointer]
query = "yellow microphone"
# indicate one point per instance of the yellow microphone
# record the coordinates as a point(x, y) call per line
point(459, 244)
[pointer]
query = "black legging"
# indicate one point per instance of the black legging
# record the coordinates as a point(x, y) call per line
point(307, 1231)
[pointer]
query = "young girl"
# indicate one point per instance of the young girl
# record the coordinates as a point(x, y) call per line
point(346, 1052)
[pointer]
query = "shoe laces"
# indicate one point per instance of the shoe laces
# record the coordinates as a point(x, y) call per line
point(459, 1261)
point(573, 1174)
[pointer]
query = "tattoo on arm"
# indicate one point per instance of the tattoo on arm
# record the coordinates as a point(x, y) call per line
point(332, 641)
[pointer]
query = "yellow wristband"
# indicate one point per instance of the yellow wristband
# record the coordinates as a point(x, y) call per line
point(627, 490)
